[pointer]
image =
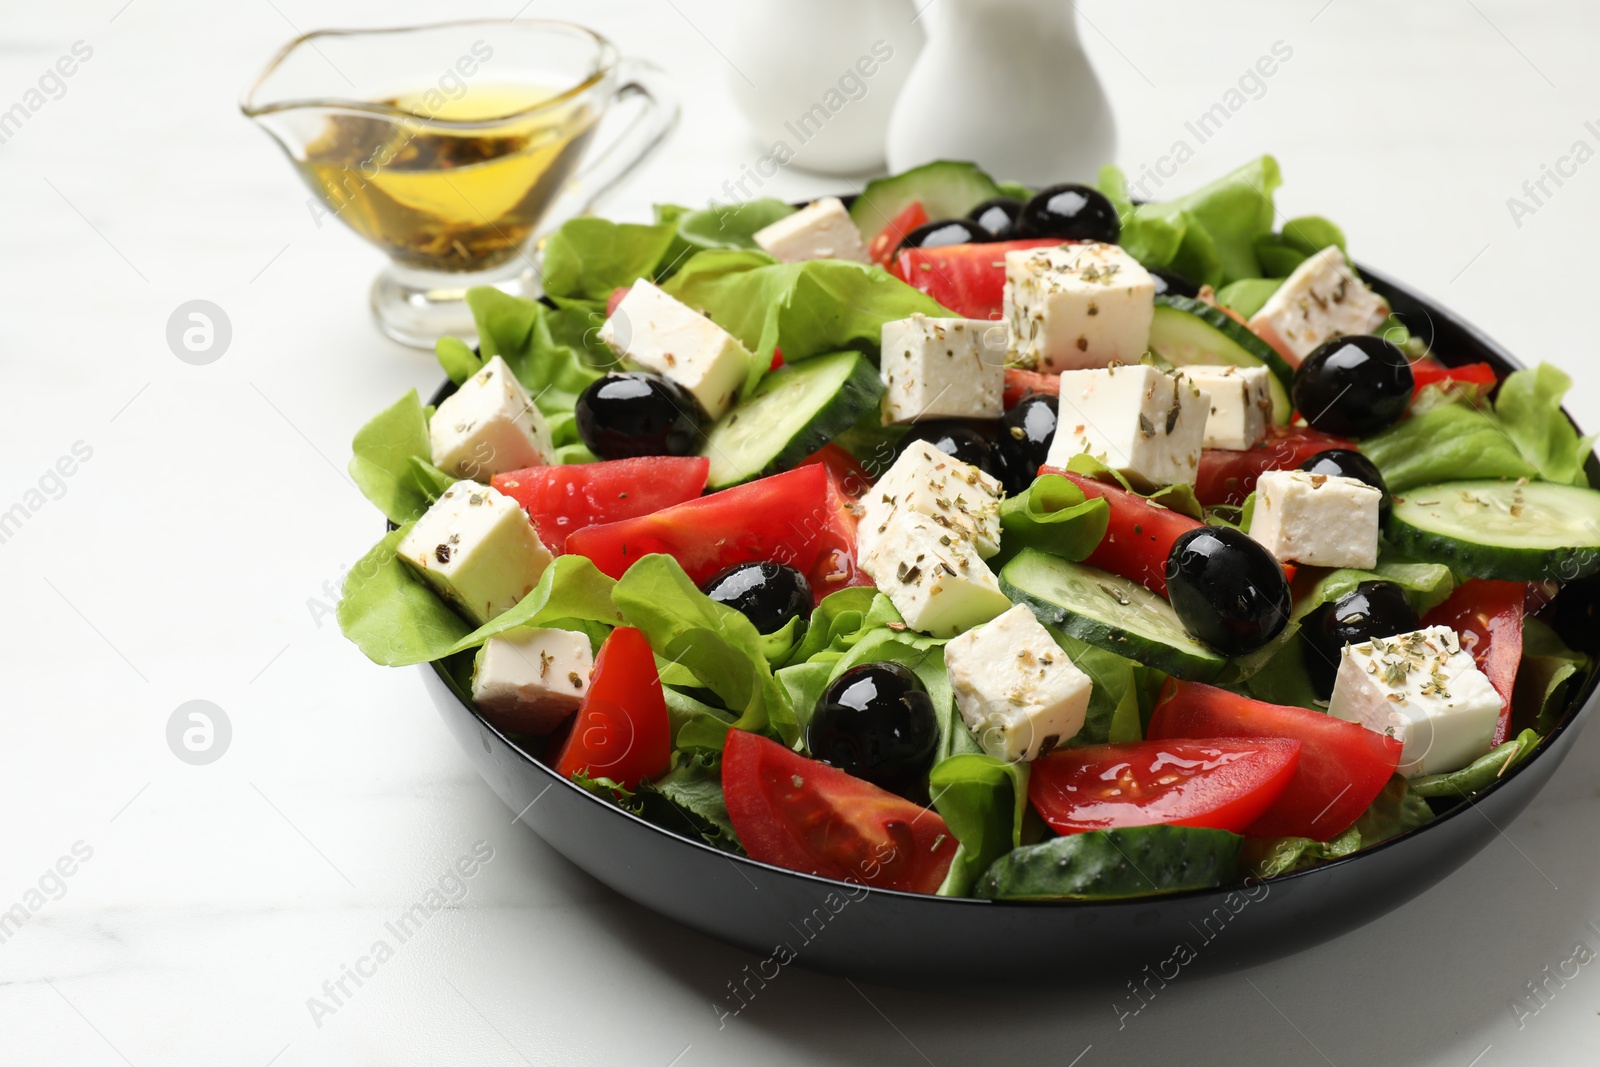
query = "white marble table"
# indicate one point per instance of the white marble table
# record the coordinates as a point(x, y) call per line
point(192, 553)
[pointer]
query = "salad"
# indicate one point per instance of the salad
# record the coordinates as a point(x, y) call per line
point(979, 540)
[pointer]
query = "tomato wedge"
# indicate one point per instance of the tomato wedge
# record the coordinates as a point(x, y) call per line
point(1343, 765)
point(1139, 535)
point(799, 517)
point(970, 279)
point(565, 497)
point(621, 732)
point(887, 243)
point(1488, 616)
point(1019, 383)
point(848, 474)
point(802, 815)
point(1224, 783)
point(1227, 476)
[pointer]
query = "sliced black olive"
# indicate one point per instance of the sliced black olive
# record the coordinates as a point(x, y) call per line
point(1227, 589)
point(945, 232)
point(637, 414)
point(768, 594)
point(1374, 609)
point(1071, 212)
point(1344, 463)
point(998, 217)
point(876, 722)
point(1354, 385)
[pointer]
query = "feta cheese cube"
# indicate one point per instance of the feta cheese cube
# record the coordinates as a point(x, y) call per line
point(476, 546)
point(1322, 520)
point(530, 680)
point(933, 576)
point(1017, 691)
point(664, 335)
point(1076, 306)
point(820, 230)
point(1146, 423)
point(942, 369)
point(1424, 690)
point(488, 426)
point(955, 495)
point(1321, 300)
point(1241, 404)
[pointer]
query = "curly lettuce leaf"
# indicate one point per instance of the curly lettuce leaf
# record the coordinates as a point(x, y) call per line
point(382, 452)
point(983, 800)
point(713, 642)
point(1052, 515)
point(731, 225)
point(589, 257)
point(1529, 408)
point(1398, 808)
point(1548, 671)
point(397, 619)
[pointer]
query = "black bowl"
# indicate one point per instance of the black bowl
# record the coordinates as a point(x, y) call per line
point(896, 938)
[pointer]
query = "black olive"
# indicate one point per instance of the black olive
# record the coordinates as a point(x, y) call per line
point(1354, 385)
point(1071, 212)
point(768, 594)
point(637, 414)
point(953, 439)
point(1024, 441)
point(876, 722)
point(1227, 589)
point(1170, 284)
point(1343, 463)
point(998, 217)
point(1374, 609)
point(945, 232)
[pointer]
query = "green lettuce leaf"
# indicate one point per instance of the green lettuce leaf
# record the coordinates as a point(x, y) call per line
point(589, 257)
point(381, 462)
point(396, 618)
point(688, 801)
point(982, 799)
point(810, 308)
point(1265, 857)
point(1052, 515)
point(1481, 773)
point(1548, 671)
point(717, 644)
point(731, 225)
point(1248, 295)
point(1529, 407)
point(1398, 807)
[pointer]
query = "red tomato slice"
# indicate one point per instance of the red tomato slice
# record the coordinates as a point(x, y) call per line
point(1476, 378)
point(621, 732)
point(1139, 535)
point(1227, 476)
point(884, 246)
point(798, 517)
point(1488, 616)
point(565, 497)
point(1019, 383)
point(802, 815)
point(1343, 765)
point(848, 474)
point(970, 280)
point(1224, 783)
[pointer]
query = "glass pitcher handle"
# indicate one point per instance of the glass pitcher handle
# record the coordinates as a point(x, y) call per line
point(647, 91)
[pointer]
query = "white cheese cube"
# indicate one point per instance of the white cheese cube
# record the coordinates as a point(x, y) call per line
point(476, 546)
point(1424, 690)
point(1146, 423)
point(1322, 520)
point(530, 680)
point(1077, 306)
point(488, 426)
point(942, 369)
point(664, 335)
point(1321, 300)
point(933, 576)
point(955, 495)
point(820, 230)
point(1017, 691)
point(1241, 404)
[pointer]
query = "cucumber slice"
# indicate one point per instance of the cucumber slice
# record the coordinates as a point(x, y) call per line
point(795, 410)
point(1109, 612)
point(1189, 333)
point(947, 189)
point(1133, 861)
point(1484, 529)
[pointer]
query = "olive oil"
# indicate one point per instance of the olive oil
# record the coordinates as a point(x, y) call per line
point(449, 197)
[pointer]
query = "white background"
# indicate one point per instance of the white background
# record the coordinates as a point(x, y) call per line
point(188, 558)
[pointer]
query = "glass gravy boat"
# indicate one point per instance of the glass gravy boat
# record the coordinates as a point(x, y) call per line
point(452, 147)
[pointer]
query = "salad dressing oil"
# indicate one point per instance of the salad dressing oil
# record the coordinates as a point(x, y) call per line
point(452, 199)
